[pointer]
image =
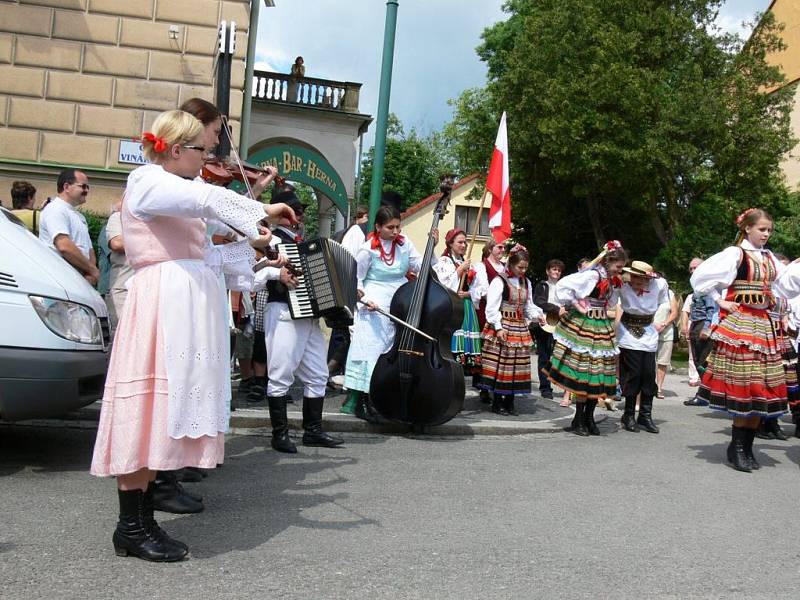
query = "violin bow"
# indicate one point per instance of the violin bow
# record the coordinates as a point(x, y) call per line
point(227, 128)
point(400, 321)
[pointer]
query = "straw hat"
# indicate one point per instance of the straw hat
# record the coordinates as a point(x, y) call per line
point(641, 269)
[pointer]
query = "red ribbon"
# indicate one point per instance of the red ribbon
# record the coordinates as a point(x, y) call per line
point(159, 143)
point(375, 240)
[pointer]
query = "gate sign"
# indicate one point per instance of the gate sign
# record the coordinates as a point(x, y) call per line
point(304, 166)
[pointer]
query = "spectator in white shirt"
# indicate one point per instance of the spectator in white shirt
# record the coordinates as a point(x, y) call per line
point(64, 229)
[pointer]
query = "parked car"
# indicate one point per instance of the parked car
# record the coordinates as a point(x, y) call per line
point(54, 329)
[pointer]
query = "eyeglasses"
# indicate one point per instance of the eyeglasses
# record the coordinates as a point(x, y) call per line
point(83, 186)
point(202, 149)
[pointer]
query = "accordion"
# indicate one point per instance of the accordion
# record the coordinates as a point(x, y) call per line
point(327, 286)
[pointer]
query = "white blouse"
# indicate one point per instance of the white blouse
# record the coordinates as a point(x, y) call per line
point(445, 270)
point(494, 299)
point(787, 285)
point(575, 287)
point(714, 275)
point(648, 303)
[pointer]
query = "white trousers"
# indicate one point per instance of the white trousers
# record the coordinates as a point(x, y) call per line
point(294, 349)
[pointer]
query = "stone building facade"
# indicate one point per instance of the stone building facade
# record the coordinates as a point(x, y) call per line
point(77, 77)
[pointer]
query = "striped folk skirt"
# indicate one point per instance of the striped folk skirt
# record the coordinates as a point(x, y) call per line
point(584, 359)
point(466, 342)
point(506, 364)
point(745, 373)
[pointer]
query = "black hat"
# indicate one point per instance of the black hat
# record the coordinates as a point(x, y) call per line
point(290, 199)
point(392, 198)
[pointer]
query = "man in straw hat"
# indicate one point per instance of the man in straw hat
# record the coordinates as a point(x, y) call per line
point(640, 296)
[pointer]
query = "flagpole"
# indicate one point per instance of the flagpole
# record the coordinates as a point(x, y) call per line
point(475, 231)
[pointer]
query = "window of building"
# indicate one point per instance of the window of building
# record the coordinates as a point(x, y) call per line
point(465, 219)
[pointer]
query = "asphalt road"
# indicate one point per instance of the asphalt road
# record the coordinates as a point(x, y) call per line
point(537, 516)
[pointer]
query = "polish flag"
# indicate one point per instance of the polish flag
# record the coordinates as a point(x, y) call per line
point(497, 183)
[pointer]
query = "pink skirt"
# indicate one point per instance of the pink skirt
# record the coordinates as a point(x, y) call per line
point(132, 433)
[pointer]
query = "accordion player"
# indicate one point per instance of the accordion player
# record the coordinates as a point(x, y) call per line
point(327, 285)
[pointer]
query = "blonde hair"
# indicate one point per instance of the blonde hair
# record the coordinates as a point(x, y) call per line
point(749, 218)
point(170, 128)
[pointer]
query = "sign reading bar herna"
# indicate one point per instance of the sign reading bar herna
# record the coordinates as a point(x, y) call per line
point(304, 166)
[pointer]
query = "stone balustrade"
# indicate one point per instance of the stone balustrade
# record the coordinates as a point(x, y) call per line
point(306, 91)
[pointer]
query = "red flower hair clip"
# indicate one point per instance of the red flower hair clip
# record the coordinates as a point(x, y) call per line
point(159, 144)
point(743, 216)
point(612, 245)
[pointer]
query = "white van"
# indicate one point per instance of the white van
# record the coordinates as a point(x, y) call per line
point(54, 329)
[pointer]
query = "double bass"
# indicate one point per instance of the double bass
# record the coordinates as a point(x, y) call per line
point(417, 381)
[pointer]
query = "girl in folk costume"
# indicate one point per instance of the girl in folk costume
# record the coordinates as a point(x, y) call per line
point(584, 359)
point(167, 390)
point(382, 263)
point(744, 374)
point(452, 269)
point(637, 337)
point(505, 357)
point(485, 271)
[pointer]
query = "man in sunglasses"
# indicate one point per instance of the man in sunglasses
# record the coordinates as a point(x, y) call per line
point(64, 229)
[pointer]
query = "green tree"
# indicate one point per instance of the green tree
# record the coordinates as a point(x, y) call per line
point(629, 119)
point(413, 164)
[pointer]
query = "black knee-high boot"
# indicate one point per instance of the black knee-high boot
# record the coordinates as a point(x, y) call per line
point(312, 425)
point(280, 425)
point(578, 421)
point(749, 437)
point(775, 427)
point(629, 416)
point(588, 417)
point(508, 403)
point(138, 534)
point(736, 452)
point(498, 406)
point(645, 420)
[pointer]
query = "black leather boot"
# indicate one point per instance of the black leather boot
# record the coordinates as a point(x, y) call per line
point(498, 406)
point(187, 475)
point(645, 420)
point(764, 431)
point(169, 496)
point(150, 519)
point(578, 421)
point(775, 427)
point(736, 454)
point(750, 435)
point(372, 414)
point(280, 425)
point(588, 417)
point(361, 407)
point(629, 416)
point(139, 535)
point(312, 425)
point(508, 404)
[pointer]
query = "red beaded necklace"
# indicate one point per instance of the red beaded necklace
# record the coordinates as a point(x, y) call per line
point(388, 258)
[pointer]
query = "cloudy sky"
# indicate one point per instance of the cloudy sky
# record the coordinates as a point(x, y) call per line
point(434, 49)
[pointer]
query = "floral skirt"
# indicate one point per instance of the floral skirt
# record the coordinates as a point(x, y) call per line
point(584, 359)
point(466, 342)
point(745, 373)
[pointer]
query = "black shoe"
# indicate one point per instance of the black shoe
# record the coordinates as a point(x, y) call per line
point(257, 392)
point(764, 431)
point(244, 386)
point(692, 402)
point(203, 472)
point(629, 416)
point(361, 407)
point(578, 426)
point(150, 519)
point(485, 397)
point(138, 534)
point(775, 426)
point(372, 414)
point(313, 435)
point(173, 478)
point(498, 406)
point(547, 394)
point(187, 475)
point(280, 425)
point(588, 417)
point(736, 453)
point(508, 404)
point(749, 437)
point(169, 496)
point(645, 420)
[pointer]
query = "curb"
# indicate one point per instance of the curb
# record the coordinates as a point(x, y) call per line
point(458, 426)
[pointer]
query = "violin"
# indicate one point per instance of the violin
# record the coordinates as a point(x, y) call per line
point(417, 381)
point(222, 172)
point(272, 254)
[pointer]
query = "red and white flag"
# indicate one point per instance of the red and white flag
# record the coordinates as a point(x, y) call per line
point(497, 183)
